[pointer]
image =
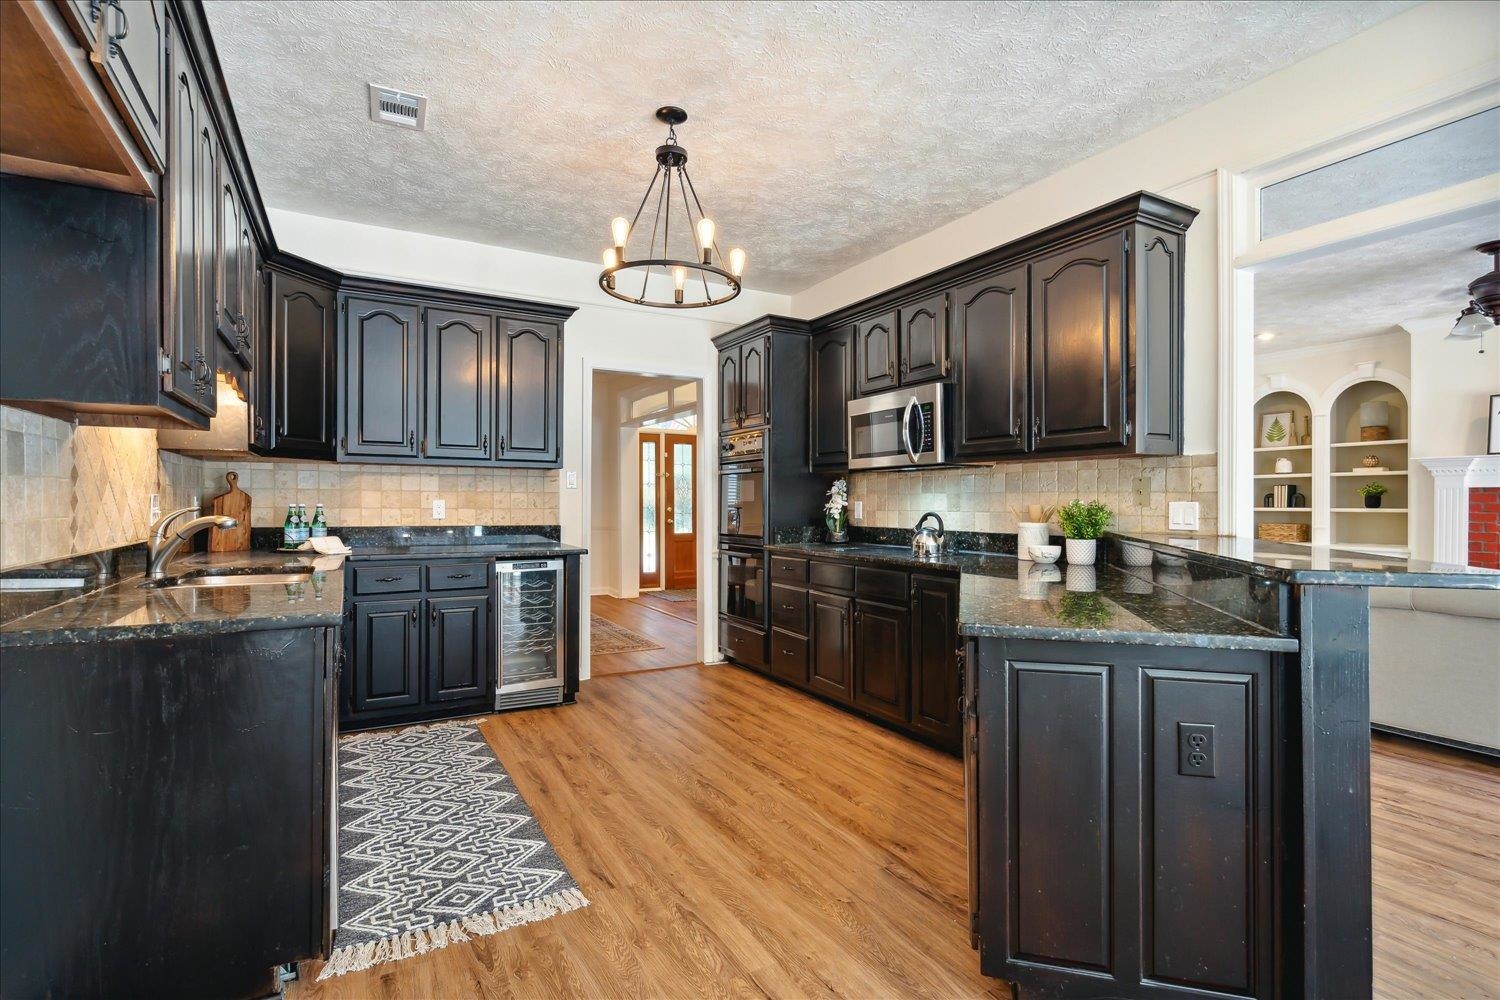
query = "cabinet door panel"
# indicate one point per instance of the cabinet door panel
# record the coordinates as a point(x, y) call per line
point(302, 358)
point(386, 655)
point(729, 389)
point(457, 647)
point(381, 371)
point(244, 337)
point(755, 382)
point(882, 670)
point(989, 332)
point(924, 340)
point(133, 56)
point(529, 370)
point(1077, 346)
point(875, 354)
point(830, 619)
point(183, 339)
point(460, 384)
point(228, 284)
point(210, 250)
point(934, 658)
point(831, 380)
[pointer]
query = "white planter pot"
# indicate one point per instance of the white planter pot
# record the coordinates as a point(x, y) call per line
point(1081, 551)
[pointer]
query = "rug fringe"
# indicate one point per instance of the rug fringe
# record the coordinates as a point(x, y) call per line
point(375, 734)
point(357, 957)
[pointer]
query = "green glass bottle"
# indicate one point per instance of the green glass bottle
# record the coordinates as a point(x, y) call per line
point(319, 523)
point(289, 528)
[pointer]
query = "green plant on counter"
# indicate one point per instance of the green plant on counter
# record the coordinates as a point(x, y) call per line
point(1079, 609)
point(1084, 520)
point(1373, 490)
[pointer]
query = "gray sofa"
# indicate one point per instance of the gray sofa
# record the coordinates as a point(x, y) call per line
point(1435, 664)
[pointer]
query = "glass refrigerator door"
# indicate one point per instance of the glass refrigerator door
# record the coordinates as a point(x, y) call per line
point(530, 626)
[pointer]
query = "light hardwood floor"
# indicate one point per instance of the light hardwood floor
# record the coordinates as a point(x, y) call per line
point(738, 839)
point(678, 636)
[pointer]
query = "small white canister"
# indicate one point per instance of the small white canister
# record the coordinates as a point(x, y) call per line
point(1283, 466)
point(1029, 533)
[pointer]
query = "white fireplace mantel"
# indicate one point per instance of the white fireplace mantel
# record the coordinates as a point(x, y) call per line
point(1452, 478)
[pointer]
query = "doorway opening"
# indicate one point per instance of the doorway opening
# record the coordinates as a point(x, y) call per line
point(645, 509)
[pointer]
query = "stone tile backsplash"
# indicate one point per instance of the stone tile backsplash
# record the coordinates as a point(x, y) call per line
point(981, 498)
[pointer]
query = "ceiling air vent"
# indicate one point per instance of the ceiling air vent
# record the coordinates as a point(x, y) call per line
point(396, 107)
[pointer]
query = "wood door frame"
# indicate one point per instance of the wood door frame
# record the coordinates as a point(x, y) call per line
point(664, 531)
point(642, 439)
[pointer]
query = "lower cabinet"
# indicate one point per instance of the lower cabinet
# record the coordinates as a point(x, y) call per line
point(416, 655)
point(880, 641)
point(1154, 874)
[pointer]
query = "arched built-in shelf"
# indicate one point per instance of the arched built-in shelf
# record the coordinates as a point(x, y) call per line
point(1296, 448)
point(1351, 523)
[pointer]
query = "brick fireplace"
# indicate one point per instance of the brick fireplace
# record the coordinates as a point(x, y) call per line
point(1466, 509)
point(1484, 526)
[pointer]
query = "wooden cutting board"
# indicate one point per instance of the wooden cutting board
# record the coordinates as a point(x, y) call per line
point(233, 502)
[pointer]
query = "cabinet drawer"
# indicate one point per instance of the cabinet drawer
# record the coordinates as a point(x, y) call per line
point(881, 584)
point(830, 576)
point(789, 608)
point(457, 576)
point(743, 644)
point(789, 570)
point(387, 579)
point(789, 656)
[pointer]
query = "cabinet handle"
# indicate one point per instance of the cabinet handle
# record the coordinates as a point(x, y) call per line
point(280, 428)
point(411, 439)
point(458, 576)
point(486, 445)
point(116, 38)
point(1015, 427)
point(890, 369)
point(386, 579)
point(434, 616)
point(502, 443)
point(413, 616)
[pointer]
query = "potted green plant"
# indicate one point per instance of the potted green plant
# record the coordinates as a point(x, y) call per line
point(1372, 492)
point(1083, 525)
point(836, 511)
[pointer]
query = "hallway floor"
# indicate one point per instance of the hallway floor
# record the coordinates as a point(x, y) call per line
point(673, 624)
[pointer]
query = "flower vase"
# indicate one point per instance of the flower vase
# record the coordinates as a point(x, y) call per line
point(838, 530)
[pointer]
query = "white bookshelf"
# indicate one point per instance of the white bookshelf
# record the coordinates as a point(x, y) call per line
point(1351, 524)
point(1296, 450)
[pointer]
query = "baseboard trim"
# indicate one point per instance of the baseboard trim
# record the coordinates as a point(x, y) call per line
point(1472, 749)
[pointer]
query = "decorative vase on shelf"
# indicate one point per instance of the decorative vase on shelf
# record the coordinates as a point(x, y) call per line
point(1283, 466)
point(1370, 461)
point(1372, 501)
point(838, 530)
point(1374, 420)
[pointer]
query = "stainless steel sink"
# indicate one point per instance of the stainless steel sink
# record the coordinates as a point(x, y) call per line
point(203, 581)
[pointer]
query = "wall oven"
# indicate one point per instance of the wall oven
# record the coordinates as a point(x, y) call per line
point(901, 429)
point(742, 486)
point(742, 584)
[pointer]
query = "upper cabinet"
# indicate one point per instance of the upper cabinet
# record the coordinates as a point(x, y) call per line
point(460, 384)
point(830, 381)
point(989, 343)
point(924, 340)
point(875, 350)
point(380, 343)
point(301, 364)
point(744, 384)
point(529, 389)
point(131, 55)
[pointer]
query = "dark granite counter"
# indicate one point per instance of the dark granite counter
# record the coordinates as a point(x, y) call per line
point(120, 607)
point(1305, 564)
point(521, 541)
point(1001, 596)
point(496, 548)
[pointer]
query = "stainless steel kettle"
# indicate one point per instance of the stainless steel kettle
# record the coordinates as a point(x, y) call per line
point(927, 543)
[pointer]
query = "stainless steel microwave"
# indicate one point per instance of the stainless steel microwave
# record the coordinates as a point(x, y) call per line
point(900, 429)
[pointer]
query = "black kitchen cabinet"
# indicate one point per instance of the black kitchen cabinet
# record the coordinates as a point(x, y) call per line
point(881, 659)
point(529, 392)
point(460, 384)
point(1109, 889)
point(385, 655)
point(458, 648)
point(935, 684)
point(188, 361)
point(875, 353)
point(830, 660)
point(300, 389)
point(923, 340)
point(729, 389)
point(132, 58)
point(990, 348)
point(233, 262)
point(380, 346)
point(82, 17)
point(744, 384)
point(1078, 346)
point(830, 383)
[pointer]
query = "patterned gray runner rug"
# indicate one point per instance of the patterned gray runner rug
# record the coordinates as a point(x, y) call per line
point(435, 846)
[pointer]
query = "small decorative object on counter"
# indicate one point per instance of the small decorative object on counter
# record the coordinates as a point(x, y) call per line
point(289, 539)
point(1082, 525)
point(1044, 555)
point(1031, 527)
point(1372, 492)
point(927, 543)
point(836, 512)
point(304, 526)
point(1374, 420)
point(1283, 466)
point(319, 523)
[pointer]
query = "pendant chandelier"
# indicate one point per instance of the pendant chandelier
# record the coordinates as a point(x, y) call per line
point(698, 260)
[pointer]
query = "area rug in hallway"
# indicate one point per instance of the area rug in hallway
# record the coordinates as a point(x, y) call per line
point(435, 846)
point(678, 596)
point(607, 637)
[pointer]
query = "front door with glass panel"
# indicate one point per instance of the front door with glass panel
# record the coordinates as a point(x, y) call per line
point(650, 478)
point(679, 540)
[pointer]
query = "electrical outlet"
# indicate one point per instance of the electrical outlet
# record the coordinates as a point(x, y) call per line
point(1195, 749)
point(1142, 486)
point(858, 506)
point(439, 509)
point(572, 480)
point(1182, 515)
point(155, 506)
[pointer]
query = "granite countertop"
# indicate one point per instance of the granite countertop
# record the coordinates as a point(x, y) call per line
point(495, 548)
point(1321, 564)
point(1001, 596)
point(120, 607)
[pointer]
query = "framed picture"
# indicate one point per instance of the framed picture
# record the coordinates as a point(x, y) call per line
point(1277, 429)
point(1494, 448)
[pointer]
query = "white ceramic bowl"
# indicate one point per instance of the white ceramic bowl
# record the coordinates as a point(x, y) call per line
point(1046, 555)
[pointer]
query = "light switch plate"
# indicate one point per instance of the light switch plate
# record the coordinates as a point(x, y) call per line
point(155, 506)
point(858, 506)
point(439, 509)
point(572, 480)
point(1182, 515)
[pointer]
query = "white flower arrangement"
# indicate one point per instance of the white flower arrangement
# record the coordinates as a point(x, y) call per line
point(838, 503)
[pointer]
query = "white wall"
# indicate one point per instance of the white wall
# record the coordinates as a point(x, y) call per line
point(604, 512)
point(603, 334)
point(1358, 82)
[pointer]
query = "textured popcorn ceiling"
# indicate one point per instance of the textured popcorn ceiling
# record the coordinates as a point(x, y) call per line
point(1366, 291)
point(820, 134)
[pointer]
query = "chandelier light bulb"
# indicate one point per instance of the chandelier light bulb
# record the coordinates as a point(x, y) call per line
point(619, 227)
point(679, 279)
point(737, 262)
point(611, 258)
point(706, 238)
